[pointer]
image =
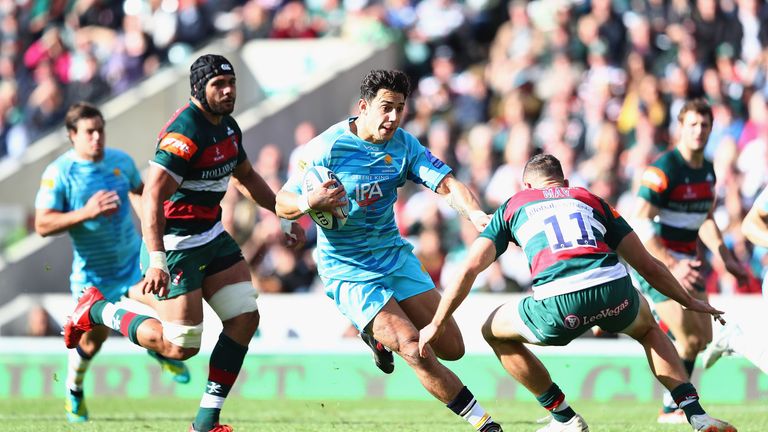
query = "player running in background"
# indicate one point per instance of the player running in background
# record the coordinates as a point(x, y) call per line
point(367, 268)
point(732, 338)
point(187, 256)
point(85, 192)
point(571, 239)
point(675, 209)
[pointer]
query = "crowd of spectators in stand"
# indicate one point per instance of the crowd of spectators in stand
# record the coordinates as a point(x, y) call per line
point(597, 83)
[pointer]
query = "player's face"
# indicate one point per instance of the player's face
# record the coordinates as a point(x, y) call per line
point(221, 92)
point(694, 131)
point(383, 115)
point(88, 139)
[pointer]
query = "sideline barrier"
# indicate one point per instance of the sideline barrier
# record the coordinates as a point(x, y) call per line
point(308, 358)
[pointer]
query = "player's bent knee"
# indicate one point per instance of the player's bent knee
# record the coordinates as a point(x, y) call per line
point(183, 336)
point(235, 300)
point(451, 351)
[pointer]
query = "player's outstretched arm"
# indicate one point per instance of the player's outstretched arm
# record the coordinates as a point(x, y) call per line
point(755, 226)
point(463, 201)
point(658, 275)
point(50, 221)
point(253, 186)
point(482, 253)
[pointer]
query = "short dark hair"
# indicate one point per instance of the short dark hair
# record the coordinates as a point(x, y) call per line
point(543, 165)
point(698, 105)
point(78, 111)
point(394, 80)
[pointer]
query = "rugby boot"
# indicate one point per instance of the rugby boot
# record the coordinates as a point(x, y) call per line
point(492, 427)
point(80, 321)
point(720, 345)
point(381, 354)
point(705, 423)
point(75, 407)
point(177, 368)
point(575, 424)
point(216, 428)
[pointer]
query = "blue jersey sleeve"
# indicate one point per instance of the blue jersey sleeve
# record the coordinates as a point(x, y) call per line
point(52, 192)
point(424, 167)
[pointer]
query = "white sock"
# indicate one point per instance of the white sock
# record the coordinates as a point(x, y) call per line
point(76, 369)
point(754, 349)
point(475, 415)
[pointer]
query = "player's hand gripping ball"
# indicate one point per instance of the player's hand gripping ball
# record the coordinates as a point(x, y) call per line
point(313, 178)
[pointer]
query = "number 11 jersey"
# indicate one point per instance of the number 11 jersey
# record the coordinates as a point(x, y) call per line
point(569, 237)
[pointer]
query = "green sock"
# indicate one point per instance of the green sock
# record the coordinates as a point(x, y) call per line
point(121, 320)
point(226, 359)
point(554, 401)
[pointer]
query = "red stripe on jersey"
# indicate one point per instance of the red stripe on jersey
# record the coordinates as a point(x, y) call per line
point(546, 257)
point(176, 210)
point(125, 322)
point(692, 192)
point(686, 247)
point(172, 119)
point(217, 154)
point(221, 376)
point(529, 195)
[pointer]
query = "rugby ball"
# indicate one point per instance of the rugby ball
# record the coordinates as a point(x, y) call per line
point(313, 178)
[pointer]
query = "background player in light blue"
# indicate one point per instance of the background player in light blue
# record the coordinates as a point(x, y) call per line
point(84, 192)
point(367, 268)
point(732, 338)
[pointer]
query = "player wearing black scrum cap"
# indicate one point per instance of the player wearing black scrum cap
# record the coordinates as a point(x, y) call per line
point(186, 255)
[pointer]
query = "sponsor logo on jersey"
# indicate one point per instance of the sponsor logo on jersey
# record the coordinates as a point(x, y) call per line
point(654, 179)
point(230, 131)
point(437, 163)
point(388, 159)
point(179, 145)
point(367, 193)
point(47, 183)
point(116, 172)
point(219, 172)
point(302, 166)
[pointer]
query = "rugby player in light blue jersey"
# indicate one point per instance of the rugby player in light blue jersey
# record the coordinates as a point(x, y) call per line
point(83, 192)
point(367, 268)
point(573, 241)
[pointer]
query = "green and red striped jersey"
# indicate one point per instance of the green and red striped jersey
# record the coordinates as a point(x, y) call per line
point(201, 157)
point(568, 235)
point(684, 196)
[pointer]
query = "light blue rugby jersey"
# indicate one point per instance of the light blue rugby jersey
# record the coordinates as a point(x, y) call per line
point(106, 249)
point(368, 245)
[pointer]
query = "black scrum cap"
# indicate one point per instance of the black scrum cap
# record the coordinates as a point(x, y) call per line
point(202, 70)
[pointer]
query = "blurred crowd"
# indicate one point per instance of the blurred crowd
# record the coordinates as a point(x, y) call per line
point(599, 84)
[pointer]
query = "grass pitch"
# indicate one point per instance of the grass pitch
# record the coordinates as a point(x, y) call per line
point(169, 414)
